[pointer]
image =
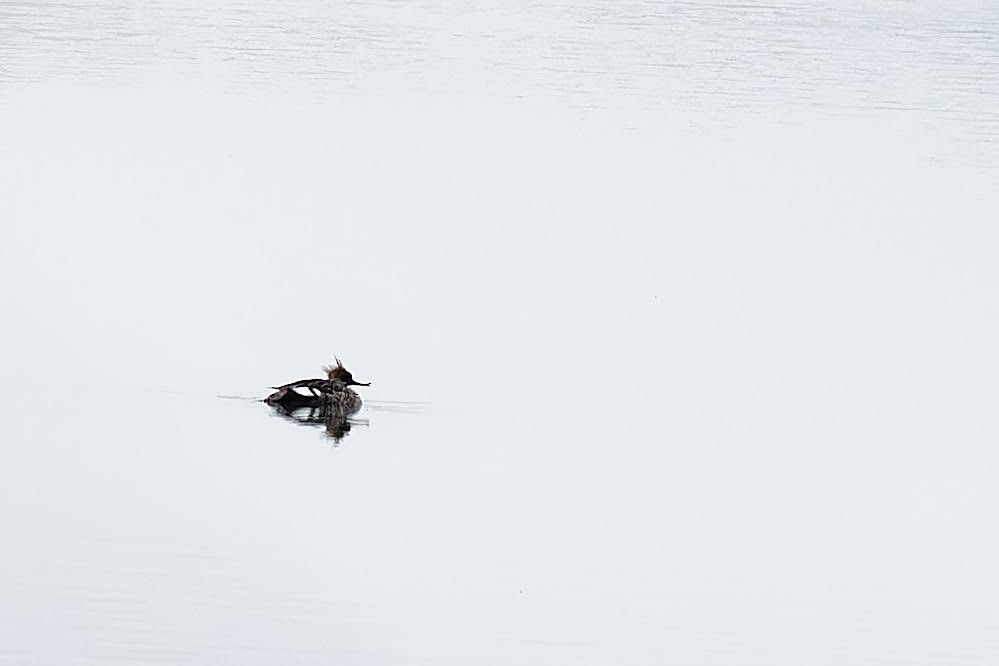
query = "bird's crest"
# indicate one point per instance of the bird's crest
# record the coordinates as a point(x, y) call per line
point(336, 371)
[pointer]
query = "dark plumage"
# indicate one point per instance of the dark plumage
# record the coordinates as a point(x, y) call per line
point(334, 392)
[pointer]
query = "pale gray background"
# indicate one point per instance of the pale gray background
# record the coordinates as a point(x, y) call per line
point(698, 299)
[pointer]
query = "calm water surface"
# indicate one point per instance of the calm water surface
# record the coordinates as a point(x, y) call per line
point(679, 318)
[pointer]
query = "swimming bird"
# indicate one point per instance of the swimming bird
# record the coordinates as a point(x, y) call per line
point(333, 393)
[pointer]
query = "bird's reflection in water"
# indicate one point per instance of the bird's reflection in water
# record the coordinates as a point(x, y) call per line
point(336, 425)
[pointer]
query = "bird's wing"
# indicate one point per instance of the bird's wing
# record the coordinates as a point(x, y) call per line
point(299, 384)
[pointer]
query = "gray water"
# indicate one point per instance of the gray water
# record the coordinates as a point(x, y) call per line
point(680, 320)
